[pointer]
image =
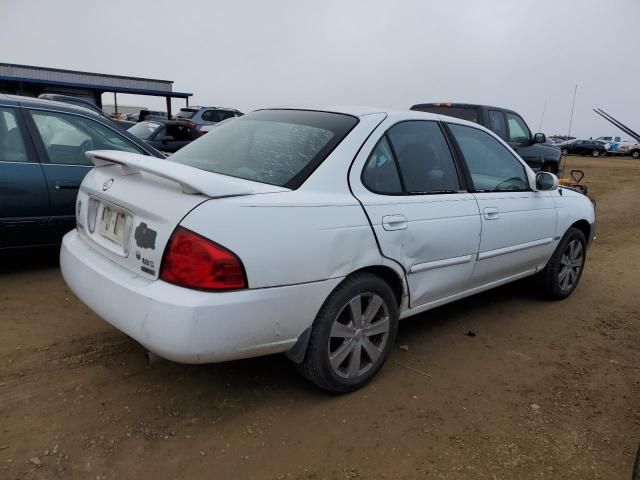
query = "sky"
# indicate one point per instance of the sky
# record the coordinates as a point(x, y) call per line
point(522, 54)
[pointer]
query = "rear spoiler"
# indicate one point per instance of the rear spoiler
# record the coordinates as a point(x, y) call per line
point(192, 180)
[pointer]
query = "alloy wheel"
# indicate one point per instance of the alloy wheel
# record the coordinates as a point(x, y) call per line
point(570, 265)
point(595, 153)
point(359, 335)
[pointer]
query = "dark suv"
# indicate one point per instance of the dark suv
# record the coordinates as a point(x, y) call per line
point(508, 125)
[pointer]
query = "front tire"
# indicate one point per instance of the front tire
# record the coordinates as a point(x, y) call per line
point(635, 154)
point(595, 153)
point(352, 335)
point(563, 272)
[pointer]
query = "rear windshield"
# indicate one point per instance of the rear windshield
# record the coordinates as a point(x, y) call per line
point(186, 113)
point(278, 147)
point(144, 130)
point(464, 113)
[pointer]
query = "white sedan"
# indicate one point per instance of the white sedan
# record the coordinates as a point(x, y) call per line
point(312, 232)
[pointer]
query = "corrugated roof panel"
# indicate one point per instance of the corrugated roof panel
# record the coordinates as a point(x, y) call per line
point(69, 76)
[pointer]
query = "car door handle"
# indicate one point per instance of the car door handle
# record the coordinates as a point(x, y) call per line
point(394, 222)
point(491, 213)
point(67, 185)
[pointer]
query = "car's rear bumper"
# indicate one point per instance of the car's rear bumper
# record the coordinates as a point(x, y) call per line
point(186, 325)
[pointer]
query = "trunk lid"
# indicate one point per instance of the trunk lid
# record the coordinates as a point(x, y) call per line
point(129, 205)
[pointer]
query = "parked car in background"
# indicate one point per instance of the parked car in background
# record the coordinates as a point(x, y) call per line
point(606, 145)
point(509, 126)
point(81, 102)
point(42, 162)
point(207, 128)
point(230, 257)
point(145, 114)
point(166, 135)
point(629, 148)
point(614, 142)
point(558, 139)
point(207, 115)
point(583, 147)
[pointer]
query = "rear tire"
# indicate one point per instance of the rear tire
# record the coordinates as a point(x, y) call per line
point(564, 151)
point(352, 335)
point(635, 154)
point(550, 167)
point(595, 153)
point(563, 272)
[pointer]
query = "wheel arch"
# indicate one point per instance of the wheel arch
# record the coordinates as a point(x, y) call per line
point(584, 227)
point(389, 274)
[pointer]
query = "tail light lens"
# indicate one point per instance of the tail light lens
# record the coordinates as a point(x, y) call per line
point(193, 261)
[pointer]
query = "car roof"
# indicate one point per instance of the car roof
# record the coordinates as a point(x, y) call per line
point(16, 100)
point(199, 107)
point(353, 110)
point(166, 121)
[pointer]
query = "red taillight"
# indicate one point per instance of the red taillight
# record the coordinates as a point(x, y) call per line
point(193, 261)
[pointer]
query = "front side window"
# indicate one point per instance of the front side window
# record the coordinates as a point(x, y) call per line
point(518, 130)
point(12, 147)
point(380, 174)
point(492, 166)
point(277, 147)
point(68, 137)
point(180, 133)
point(424, 158)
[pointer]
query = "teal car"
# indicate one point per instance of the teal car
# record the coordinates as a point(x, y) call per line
point(42, 163)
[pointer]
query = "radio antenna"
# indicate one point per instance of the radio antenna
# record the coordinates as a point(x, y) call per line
point(573, 106)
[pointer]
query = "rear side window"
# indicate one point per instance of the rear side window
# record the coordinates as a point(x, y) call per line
point(497, 124)
point(67, 137)
point(424, 158)
point(216, 115)
point(278, 147)
point(491, 164)
point(380, 174)
point(11, 144)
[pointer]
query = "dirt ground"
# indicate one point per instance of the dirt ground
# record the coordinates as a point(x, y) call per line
point(543, 389)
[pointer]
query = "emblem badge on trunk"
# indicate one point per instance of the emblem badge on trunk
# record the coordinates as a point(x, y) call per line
point(107, 185)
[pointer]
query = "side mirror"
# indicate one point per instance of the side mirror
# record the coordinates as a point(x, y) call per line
point(546, 181)
point(539, 138)
point(166, 139)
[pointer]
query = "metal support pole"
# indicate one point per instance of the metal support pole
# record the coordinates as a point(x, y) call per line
point(115, 103)
point(168, 106)
point(187, 100)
